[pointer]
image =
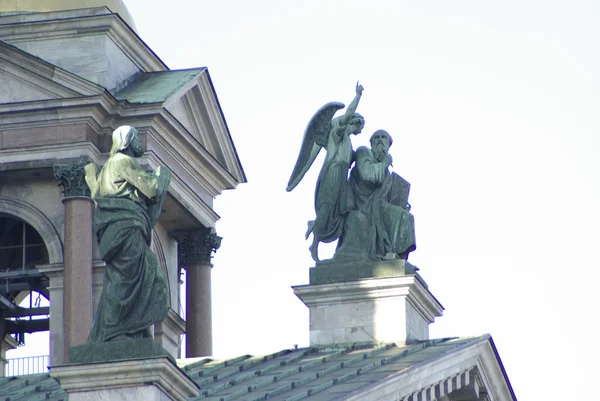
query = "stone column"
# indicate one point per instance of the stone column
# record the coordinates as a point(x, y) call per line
point(195, 251)
point(54, 272)
point(77, 301)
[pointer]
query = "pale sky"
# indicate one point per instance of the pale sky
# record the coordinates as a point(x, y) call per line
point(493, 107)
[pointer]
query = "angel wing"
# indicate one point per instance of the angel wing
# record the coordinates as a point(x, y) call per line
point(315, 137)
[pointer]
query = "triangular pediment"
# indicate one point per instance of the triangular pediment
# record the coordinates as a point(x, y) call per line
point(190, 97)
point(454, 369)
point(25, 78)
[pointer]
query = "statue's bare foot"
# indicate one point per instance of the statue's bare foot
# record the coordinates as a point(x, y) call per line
point(314, 250)
point(309, 228)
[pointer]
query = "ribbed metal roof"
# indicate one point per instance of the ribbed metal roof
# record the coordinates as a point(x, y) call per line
point(156, 87)
point(323, 374)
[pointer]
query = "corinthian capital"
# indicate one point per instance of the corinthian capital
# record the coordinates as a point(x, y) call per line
point(196, 246)
point(72, 178)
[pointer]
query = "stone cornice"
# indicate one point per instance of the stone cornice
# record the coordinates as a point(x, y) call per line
point(217, 118)
point(181, 191)
point(69, 25)
point(49, 155)
point(467, 382)
point(408, 286)
point(44, 76)
point(472, 371)
point(90, 109)
point(174, 139)
point(159, 372)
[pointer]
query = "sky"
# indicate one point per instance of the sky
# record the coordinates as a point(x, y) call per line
point(493, 107)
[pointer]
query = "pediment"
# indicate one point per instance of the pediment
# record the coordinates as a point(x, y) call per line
point(199, 111)
point(189, 96)
point(192, 110)
point(25, 78)
point(468, 369)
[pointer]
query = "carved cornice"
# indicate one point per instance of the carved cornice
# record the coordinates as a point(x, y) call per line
point(467, 385)
point(197, 246)
point(72, 178)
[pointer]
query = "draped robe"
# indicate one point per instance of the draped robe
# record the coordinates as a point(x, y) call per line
point(375, 224)
point(134, 294)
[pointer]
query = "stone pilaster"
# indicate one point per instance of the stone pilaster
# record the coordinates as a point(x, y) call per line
point(78, 243)
point(195, 252)
point(8, 343)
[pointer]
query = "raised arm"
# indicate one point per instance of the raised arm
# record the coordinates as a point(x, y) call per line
point(353, 105)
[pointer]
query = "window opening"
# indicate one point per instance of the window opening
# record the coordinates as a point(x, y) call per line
point(21, 246)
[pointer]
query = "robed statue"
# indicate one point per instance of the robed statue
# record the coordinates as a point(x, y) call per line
point(128, 202)
point(358, 201)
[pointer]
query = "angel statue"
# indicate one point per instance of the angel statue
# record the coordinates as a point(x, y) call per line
point(333, 134)
point(358, 201)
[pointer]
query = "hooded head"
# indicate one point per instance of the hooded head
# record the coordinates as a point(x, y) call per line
point(122, 138)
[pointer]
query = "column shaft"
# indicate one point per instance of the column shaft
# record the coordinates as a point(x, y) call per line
point(198, 310)
point(77, 302)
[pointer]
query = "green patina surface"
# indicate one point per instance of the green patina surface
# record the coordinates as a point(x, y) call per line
point(156, 87)
point(331, 271)
point(322, 374)
point(117, 351)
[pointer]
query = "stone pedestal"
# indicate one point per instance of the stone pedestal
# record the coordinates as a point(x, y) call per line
point(387, 309)
point(156, 379)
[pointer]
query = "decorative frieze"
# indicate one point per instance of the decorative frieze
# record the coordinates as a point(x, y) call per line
point(72, 178)
point(197, 246)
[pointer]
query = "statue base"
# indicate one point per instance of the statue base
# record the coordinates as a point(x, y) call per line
point(117, 351)
point(336, 271)
point(393, 309)
point(155, 379)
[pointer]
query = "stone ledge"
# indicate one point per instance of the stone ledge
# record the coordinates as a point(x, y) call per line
point(112, 379)
point(411, 287)
point(117, 351)
point(332, 271)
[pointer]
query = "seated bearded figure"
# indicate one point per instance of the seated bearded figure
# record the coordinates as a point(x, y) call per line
point(378, 223)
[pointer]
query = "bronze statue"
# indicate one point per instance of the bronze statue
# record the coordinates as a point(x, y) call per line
point(333, 134)
point(366, 211)
point(128, 202)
